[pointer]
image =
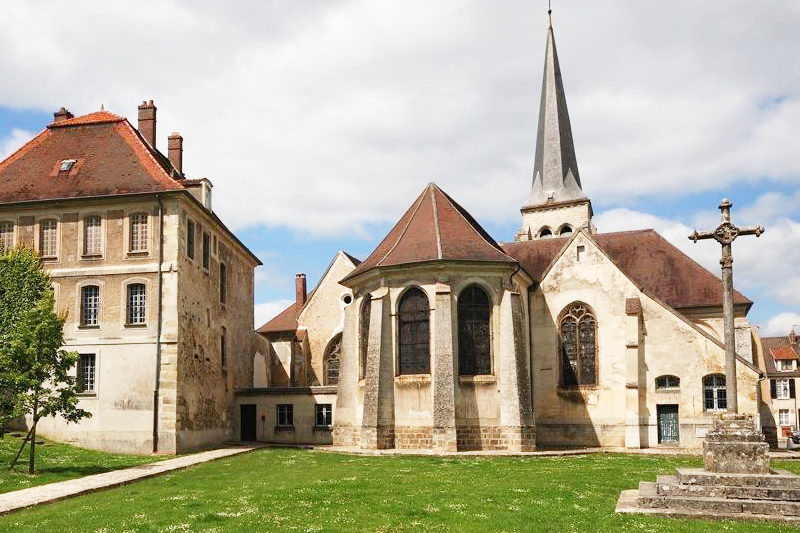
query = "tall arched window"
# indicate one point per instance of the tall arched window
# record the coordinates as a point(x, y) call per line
point(332, 358)
point(714, 395)
point(474, 354)
point(578, 336)
point(363, 338)
point(414, 322)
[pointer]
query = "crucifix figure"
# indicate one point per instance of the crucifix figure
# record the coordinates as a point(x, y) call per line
point(725, 234)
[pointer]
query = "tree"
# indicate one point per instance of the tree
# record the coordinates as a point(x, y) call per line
point(34, 370)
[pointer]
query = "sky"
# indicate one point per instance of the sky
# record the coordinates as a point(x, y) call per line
point(320, 121)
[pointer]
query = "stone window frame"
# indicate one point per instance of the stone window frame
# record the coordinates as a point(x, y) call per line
point(716, 387)
point(128, 234)
point(490, 294)
point(364, 309)
point(82, 236)
point(205, 251)
point(78, 296)
point(562, 316)
point(80, 375)
point(223, 284)
point(124, 302)
point(284, 420)
point(662, 383)
point(326, 410)
point(3, 223)
point(39, 234)
point(191, 237)
point(398, 323)
point(336, 337)
point(565, 229)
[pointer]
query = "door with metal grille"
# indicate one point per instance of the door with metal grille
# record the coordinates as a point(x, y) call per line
point(668, 424)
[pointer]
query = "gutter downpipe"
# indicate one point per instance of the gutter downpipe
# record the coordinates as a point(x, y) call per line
point(157, 385)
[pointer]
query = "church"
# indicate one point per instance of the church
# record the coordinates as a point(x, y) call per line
point(445, 339)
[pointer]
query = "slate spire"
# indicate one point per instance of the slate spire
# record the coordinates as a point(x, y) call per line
point(555, 172)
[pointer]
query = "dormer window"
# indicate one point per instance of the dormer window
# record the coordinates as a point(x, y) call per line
point(67, 164)
point(785, 365)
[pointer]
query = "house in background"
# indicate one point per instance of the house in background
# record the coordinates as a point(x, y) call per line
point(782, 362)
point(158, 291)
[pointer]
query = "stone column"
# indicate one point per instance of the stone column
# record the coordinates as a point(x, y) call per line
point(345, 429)
point(633, 309)
point(377, 422)
point(444, 409)
point(516, 410)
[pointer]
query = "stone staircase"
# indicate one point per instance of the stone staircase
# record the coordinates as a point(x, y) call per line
point(746, 488)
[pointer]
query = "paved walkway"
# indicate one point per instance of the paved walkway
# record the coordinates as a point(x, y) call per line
point(19, 499)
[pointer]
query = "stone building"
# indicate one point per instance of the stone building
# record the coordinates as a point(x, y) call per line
point(782, 365)
point(563, 337)
point(158, 292)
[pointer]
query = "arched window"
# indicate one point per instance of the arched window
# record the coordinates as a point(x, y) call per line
point(545, 232)
point(366, 308)
point(566, 229)
point(332, 358)
point(414, 317)
point(714, 394)
point(667, 382)
point(474, 355)
point(578, 332)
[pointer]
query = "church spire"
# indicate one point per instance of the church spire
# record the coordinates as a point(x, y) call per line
point(555, 171)
point(556, 204)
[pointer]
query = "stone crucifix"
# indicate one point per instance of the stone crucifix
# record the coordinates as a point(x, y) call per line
point(725, 234)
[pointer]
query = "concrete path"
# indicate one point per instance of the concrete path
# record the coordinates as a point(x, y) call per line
point(20, 499)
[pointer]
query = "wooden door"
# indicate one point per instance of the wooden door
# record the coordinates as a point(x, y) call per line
point(247, 422)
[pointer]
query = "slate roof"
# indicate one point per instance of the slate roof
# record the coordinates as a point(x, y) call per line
point(652, 263)
point(782, 346)
point(111, 159)
point(435, 228)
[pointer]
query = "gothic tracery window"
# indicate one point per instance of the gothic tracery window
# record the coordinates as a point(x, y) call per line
point(332, 358)
point(363, 338)
point(578, 336)
point(414, 326)
point(474, 354)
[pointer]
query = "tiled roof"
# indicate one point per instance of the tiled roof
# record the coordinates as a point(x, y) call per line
point(111, 159)
point(434, 228)
point(651, 262)
point(285, 321)
point(781, 346)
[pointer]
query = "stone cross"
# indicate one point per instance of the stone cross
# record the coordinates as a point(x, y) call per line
point(725, 234)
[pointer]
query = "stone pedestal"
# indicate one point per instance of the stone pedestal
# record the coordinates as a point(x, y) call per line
point(735, 446)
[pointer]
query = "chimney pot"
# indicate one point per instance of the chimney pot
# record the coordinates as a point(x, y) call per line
point(300, 293)
point(175, 151)
point(147, 122)
point(62, 114)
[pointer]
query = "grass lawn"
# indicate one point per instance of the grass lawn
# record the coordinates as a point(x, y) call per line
point(57, 462)
point(297, 490)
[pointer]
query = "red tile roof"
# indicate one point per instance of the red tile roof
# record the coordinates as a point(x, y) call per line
point(435, 228)
point(652, 263)
point(285, 321)
point(785, 352)
point(779, 348)
point(112, 159)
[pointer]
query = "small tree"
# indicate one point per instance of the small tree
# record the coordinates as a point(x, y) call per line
point(34, 370)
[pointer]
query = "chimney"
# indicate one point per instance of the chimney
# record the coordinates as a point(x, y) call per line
point(62, 114)
point(147, 122)
point(794, 338)
point(300, 289)
point(175, 150)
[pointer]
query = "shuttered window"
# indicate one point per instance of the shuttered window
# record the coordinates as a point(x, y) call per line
point(474, 352)
point(414, 326)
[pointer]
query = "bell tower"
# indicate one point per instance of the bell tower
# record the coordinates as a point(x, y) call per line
point(556, 204)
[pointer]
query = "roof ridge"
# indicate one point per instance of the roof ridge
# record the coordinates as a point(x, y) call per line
point(437, 229)
point(402, 233)
point(96, 117)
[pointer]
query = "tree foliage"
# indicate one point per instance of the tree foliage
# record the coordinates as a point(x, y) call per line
point(34, 370)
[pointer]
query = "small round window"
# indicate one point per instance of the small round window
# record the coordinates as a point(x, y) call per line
point(347, 299)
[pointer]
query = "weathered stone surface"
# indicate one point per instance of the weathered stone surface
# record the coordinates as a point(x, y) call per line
point(735, 445)
point(777, 479)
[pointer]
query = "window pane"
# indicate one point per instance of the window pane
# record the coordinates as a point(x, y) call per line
point(569, 351)
point(366, 309)
point(587, 350)
point(206, 250)
point(6, 235)
point(223, 283)
point(474, 352)
point(90, 305)
point(414, 335)
point(48, 238)
point(332, 361)
point(138, 233)
point(92, 236)
point(190, 239)
point(137, 303)
point(86, 373)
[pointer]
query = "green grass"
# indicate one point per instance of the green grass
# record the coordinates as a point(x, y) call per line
point(57, 462)
point(297, 490)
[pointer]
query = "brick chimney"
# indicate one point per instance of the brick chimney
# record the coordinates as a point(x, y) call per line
point(62, 114)
point(147, 122)
point(300, 294)
point(175, 150)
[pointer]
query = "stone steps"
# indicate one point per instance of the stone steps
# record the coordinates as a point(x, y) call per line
point(649, 497)
point(698, 476)
point(669, 486)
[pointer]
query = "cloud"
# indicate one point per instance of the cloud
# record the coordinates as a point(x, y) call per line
point(266, 311)
point(13, 141)
point(781, 324)
point(328, 116)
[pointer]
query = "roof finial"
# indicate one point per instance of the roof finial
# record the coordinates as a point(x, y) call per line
point(102, 108)
point(549, 15)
